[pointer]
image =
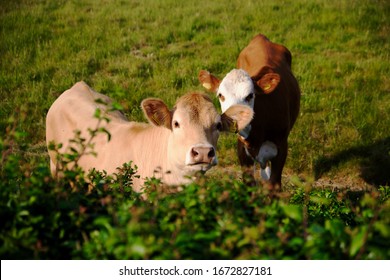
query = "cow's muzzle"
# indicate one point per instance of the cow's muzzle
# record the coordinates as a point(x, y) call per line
point(202, 155)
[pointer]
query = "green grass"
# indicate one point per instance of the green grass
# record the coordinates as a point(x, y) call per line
point(131, 50)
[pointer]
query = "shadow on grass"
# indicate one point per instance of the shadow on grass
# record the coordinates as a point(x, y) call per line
point(374, 160)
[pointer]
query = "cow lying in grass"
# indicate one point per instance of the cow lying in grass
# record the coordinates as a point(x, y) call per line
point(177, 143)
point(263, 81)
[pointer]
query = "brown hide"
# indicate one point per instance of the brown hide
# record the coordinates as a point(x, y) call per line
point(276, 110)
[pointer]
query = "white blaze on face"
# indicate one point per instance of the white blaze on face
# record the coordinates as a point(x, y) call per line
point(236, 88)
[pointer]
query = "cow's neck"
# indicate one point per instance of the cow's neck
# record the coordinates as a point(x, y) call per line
point(151, 152)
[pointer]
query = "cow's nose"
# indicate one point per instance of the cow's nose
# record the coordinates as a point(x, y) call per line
point(202, 154)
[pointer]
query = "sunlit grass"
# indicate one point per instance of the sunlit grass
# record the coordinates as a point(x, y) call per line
point(131, 50)
point(135, 49)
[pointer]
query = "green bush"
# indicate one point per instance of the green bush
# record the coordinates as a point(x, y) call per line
point(50, 218)
point(156, 48)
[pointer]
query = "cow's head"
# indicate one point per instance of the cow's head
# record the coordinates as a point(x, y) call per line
point(195, 126)
point(237, 87)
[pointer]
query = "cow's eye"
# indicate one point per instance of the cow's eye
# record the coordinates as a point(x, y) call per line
point(176, 124)
point(249, 97)
point(219, 126)
point(221, 97)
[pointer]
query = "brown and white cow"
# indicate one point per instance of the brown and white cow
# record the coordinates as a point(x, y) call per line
point(265, 82)
point(178, 142)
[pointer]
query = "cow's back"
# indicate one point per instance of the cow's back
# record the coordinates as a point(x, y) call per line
point(79, 103)
point(74, 111)
point(262, 52)
point(281, 107)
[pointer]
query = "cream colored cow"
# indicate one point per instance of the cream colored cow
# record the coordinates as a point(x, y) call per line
point(177, 143)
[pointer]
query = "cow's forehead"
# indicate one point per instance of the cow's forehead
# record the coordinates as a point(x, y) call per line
point(198, 107)
point(237, 83)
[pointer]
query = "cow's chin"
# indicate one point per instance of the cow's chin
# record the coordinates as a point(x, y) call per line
point(198, 167)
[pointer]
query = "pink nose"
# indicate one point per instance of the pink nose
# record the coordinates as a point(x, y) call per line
point(202, 154)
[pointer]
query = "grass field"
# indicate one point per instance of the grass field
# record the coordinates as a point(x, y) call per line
point(131, 50)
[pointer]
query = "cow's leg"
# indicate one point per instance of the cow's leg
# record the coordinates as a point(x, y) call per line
point(277, 164)
point(268, 151)
point(246, 163)
point(53, 168)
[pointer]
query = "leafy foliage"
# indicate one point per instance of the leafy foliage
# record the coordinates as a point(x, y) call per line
point(50, 218)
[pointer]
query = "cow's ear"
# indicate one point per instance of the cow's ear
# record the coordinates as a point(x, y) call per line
point(267, 80)
point(208, 80)
point(157, 112)
point(236, 118)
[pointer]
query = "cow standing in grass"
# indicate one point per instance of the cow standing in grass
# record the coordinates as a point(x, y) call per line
point(265, 82)
point(177, 143)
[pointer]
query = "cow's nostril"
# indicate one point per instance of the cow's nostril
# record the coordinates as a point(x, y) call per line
point(194, 153)
point(211, 153)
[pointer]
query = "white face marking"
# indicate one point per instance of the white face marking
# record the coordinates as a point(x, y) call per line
point(236, 88)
